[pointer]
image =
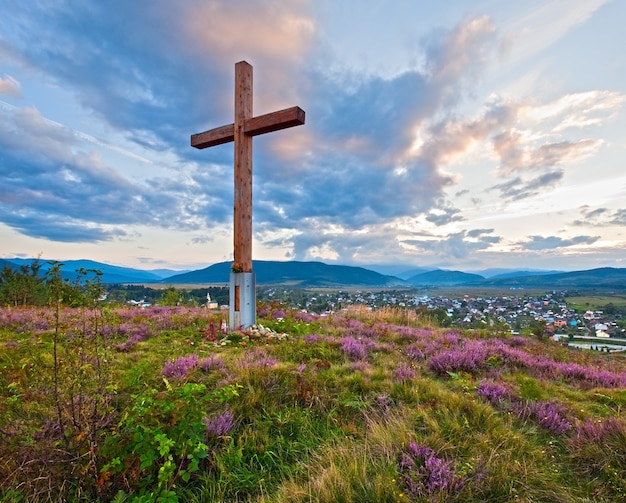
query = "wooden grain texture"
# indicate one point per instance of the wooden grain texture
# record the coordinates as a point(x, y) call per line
point(274, 121)
point(243, 168)
point(213, 137)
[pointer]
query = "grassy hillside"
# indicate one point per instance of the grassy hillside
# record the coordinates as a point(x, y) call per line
point(363, 406)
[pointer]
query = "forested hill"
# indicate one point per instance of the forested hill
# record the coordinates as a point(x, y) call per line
point(603, 277)
point(295, 274)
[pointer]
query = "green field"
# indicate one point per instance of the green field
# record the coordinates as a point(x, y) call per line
point(584, 302)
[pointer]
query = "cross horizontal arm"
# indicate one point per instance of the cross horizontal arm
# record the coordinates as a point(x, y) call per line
point(212, 137)
point(274, 121)
point(255, 126)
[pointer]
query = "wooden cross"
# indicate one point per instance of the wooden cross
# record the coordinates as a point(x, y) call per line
point(241, 132)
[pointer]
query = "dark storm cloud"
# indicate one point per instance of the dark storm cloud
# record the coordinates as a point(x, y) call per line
point(361, 174)
point(373, 117)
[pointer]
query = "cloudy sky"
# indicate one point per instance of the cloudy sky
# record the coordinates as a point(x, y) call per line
point(455, 134)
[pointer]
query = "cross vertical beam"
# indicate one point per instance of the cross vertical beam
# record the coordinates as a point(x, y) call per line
point(241, 132)
point(243, 168)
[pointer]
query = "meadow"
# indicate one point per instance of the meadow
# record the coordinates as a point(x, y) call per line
point(163, 405)
point(583, 302)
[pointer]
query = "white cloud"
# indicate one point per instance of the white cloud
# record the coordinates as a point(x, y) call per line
point(544, 23)
point(272, 35)
point(577, 110)
point(10, 87)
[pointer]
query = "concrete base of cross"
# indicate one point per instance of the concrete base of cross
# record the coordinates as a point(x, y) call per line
point(242, 300)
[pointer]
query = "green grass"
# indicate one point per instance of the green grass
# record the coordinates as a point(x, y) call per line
point(585, 302)
point(334, 413)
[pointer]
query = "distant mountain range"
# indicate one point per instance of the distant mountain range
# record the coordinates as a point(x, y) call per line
point(605, 277)
point(110, 273)
point(318, 274)
point(444, 278)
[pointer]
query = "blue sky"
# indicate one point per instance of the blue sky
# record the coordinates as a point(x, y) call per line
point(454, 134)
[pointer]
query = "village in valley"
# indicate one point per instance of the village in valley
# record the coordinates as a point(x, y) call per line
point(546, 314)
point(556, 314)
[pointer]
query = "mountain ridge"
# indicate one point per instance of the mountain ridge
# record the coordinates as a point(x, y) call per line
point(299, 274)
point(294, 273)
point(110, 273)
point(442, 277)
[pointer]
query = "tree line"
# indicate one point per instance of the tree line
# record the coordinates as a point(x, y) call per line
point(30, 285)
point(35, 285)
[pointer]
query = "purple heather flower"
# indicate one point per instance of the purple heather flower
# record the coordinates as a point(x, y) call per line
point(548, 415)
point(353, 325)
point(415, 352)
point(516, 341)
point(123, 329)
point(470, 358)
point(360, 366)
point(383, 402)
point(211, 362)
point(312, 338)
point(495, 393)
point(180, 367)
point(424, 473)
point(257, 358)
point(304, 316)
point(220, 425)
point(598, 431)
point(125, 347)
point(278, 315)
point(353, 348)
point(403, 373)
